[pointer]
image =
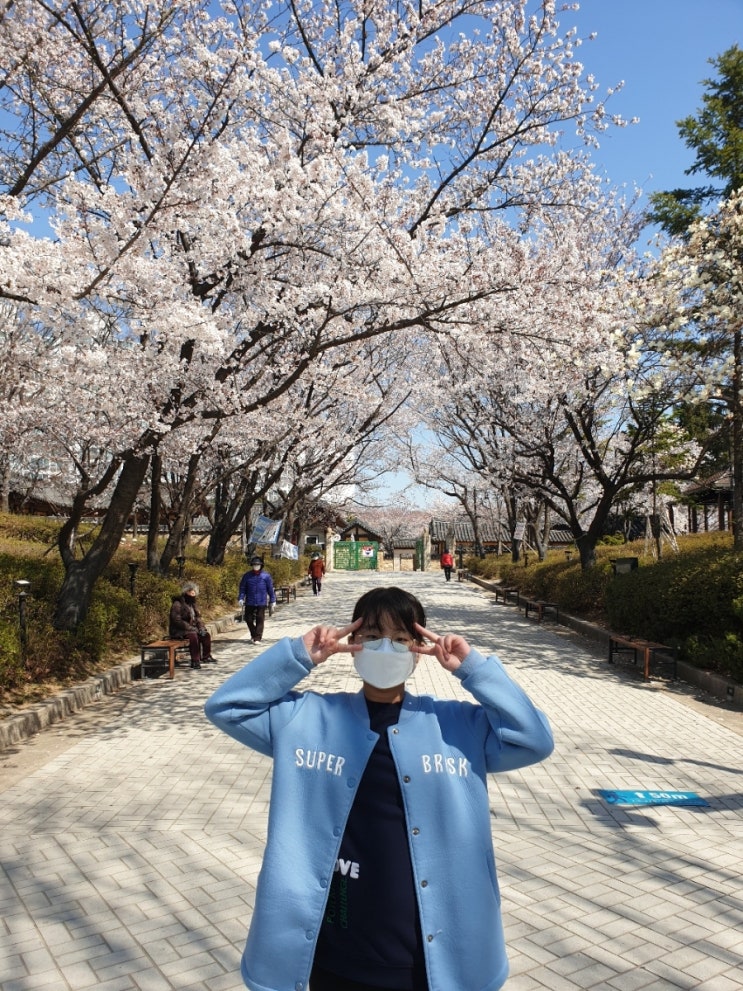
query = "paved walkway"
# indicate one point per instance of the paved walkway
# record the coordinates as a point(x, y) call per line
point(131, 835)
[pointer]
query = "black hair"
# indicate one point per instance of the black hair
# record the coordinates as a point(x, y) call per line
point(394, 604)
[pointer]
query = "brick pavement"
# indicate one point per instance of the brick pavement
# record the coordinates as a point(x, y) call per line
point(131, 844)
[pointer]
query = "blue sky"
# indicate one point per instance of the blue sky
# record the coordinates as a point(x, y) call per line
point(660, 48)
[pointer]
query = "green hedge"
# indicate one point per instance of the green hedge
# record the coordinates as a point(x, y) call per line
point(691, 599)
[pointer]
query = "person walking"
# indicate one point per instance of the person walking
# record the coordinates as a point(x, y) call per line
point(379, 871)
point(185, 623)
point(447, 563)
point(316, 571)
point(256, 591)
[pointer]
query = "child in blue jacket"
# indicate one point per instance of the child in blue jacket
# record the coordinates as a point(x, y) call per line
point(379, 870)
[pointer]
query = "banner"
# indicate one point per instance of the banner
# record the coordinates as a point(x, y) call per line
point(289, 550)
point(265, 531)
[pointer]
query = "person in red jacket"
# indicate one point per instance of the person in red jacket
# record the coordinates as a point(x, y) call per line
point(447, 563)
point(316, 572)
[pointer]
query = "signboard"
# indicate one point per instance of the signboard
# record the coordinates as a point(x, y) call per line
point(652, 798)
point(355, 555)
point(520, 530)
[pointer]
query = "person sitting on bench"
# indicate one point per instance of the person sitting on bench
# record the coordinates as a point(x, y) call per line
point(186, 624)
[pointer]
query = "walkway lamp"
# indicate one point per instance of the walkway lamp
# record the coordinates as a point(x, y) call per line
point(23, 585)
point(133, 566)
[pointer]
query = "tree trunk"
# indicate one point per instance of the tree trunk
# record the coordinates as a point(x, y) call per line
point(180, 527)
point(587, 549)
point(737, 441)
point(156, 504)
point(229, 513)
point(4, 483)
point(224, 527)
point(74, 597)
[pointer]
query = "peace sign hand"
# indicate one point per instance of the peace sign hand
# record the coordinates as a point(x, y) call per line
point(449, 650)
point(323, 641)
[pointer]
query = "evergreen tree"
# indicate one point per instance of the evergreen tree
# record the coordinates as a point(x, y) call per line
point(716, 135)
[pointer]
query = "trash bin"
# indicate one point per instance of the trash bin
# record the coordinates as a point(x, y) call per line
point(623, 565)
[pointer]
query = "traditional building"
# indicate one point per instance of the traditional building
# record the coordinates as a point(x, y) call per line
point(710, 502)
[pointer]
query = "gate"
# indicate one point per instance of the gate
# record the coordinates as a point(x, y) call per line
point(355, 555)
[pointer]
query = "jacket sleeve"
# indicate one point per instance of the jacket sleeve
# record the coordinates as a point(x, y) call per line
point(270, 588)
point(519, 733)
point(257, 700)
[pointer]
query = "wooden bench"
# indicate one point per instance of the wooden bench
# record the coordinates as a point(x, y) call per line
point(506, 592)
point(647, 649)
point(160, 652)
point(463, 575)
point(285, 592)
point(539, 606)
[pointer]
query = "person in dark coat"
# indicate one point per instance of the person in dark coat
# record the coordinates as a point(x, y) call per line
point(256, 591)
point(186, 624)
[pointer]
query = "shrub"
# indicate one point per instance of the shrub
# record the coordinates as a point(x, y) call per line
point(723, 655)
point(692, 600)
point(12, 670)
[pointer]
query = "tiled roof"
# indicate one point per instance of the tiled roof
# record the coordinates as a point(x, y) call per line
point(721, 481)
point(462, 532)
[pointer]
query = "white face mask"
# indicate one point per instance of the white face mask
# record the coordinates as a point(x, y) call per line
point(384, 663)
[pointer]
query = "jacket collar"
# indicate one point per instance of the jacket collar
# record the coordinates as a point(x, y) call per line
point(410, 705)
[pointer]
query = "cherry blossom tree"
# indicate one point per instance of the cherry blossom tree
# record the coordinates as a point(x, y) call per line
point(570, 429)
point(235, 191)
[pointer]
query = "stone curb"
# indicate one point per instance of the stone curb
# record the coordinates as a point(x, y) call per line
point(38, 717)
point(712, 684)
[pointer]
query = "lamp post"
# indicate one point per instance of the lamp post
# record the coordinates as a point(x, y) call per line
point(23, 585)
point(181, 561)
point(133, 566)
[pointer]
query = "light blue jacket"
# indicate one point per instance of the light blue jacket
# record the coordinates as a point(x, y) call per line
point(442, 749)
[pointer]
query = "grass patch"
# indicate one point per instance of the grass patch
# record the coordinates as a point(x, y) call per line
point(117, 622)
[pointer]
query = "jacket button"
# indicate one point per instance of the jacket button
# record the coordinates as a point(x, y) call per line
point(424, 884)
point(416, 831)
point(406, 778)
point(395, 730)
point(429, 938)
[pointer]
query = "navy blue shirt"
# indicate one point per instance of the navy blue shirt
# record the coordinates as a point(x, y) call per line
point(371, 930)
